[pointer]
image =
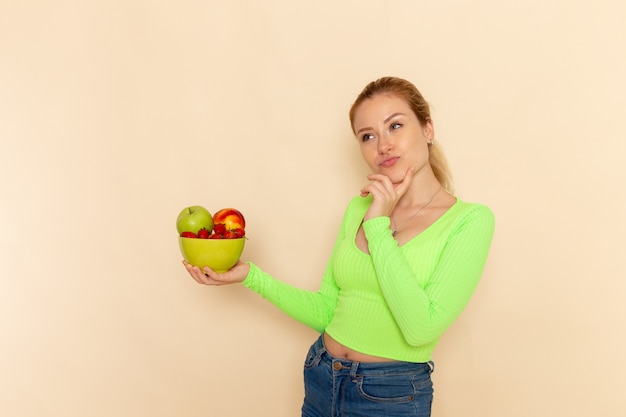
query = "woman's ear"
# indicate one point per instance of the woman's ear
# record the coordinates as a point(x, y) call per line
point(429, 131)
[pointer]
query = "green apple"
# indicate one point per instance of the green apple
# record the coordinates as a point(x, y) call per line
point(194, 218)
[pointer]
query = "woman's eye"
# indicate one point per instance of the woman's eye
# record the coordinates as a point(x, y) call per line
point(367, 137)
point(395, 126)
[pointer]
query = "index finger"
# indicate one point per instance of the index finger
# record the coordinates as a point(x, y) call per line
point(406, 181)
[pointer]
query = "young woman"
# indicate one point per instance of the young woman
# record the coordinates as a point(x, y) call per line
point(406, 261)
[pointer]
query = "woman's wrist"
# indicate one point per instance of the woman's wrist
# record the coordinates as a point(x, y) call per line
point(376, 222)
point(247, 280)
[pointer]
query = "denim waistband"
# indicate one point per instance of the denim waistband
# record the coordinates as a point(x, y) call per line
point(320, 354)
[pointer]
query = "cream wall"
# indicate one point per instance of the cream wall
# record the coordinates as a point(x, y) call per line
point(114, 115)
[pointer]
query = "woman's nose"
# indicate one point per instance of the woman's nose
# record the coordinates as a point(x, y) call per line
point(384, 144)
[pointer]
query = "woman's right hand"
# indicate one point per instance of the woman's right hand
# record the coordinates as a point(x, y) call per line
point(236, 274)
point(385, 193)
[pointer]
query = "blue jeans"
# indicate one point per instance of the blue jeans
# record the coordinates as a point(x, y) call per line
point(335, 387)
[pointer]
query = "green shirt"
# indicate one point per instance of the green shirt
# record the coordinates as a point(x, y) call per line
point(397, 301)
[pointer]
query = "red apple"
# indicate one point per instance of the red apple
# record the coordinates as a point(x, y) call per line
point(230, 218)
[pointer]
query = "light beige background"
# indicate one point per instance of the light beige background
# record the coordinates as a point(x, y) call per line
point(114, 115)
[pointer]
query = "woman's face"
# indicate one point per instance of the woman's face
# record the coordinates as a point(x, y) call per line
point(391, 137)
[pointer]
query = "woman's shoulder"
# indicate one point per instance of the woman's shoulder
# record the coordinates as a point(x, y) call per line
point(357, 202)
point(464, 211)
point(468, 206)
point(357, 206)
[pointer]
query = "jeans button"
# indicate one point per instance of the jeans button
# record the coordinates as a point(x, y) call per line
point(337, 366)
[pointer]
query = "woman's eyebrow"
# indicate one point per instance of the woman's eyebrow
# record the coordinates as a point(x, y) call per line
point(384, 121)
point(392, 116)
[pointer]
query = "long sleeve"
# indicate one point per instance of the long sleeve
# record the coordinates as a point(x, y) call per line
point(314, 309)
point(425, 306)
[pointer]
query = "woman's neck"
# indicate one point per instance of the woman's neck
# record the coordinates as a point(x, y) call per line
point(421, 191)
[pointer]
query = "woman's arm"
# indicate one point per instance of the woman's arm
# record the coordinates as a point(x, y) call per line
point(314, 309)
point(425, 312)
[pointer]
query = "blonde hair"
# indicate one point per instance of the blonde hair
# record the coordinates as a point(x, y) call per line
point(407, 91)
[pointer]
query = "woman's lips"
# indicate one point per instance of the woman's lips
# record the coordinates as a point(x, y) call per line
point(387, 162)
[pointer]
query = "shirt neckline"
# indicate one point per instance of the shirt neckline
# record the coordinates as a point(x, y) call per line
point(414, 238)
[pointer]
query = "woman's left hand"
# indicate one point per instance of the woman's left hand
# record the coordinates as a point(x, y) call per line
point(207, 276)
point(385, 194)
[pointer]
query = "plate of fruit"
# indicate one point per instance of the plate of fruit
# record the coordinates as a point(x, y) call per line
point(216, 241)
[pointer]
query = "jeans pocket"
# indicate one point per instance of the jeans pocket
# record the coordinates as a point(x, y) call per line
point(309, 360)
point(389, 388)
point(313, 356)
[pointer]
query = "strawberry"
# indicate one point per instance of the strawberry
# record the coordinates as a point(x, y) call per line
point(234, 233)
point(188, 234)
point(220, 229)
point(203, 233)
point(237, 233)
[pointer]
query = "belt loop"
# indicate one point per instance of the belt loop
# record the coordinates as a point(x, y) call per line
point(353, 369)
point(321, 349)
point(322, 345)
point(431, 365)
